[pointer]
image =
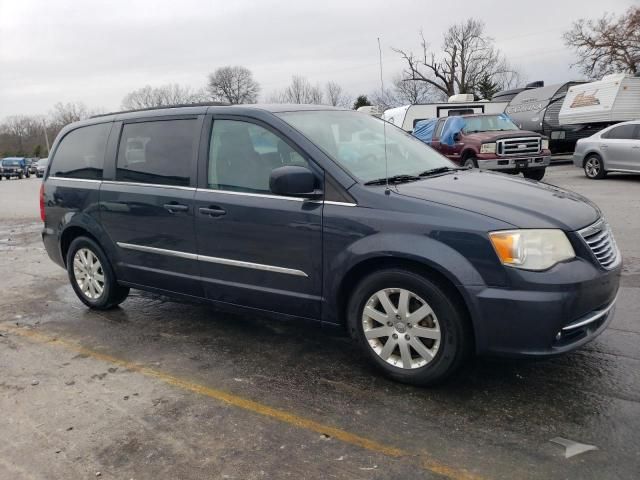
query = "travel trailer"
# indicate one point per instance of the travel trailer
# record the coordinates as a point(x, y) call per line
point(537, 109)
point(615, 98)
point(407, 116)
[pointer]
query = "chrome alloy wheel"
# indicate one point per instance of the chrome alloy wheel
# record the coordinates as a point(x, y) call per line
point(88, 273)
point(592, 167)
point(401, 328)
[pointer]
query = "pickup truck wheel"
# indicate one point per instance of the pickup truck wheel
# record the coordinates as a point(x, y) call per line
point(594, 167)
point(92, 276)
point(408, 327)
point(471, 162)
point(534, 173)
point(21, 176)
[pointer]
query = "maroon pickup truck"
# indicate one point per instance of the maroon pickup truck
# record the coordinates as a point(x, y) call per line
point(494, 142)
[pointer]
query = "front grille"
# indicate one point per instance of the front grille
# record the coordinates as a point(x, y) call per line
point(599, 239)
point(519, 146)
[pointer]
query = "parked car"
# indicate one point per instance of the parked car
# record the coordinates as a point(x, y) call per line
point(41, 167)
point(33, 169)
point(259, 208)
point(14, 167)
point(491, 142)
point(614, 149)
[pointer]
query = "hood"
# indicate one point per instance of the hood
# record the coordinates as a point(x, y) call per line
point(522, 203)
point(492, 136)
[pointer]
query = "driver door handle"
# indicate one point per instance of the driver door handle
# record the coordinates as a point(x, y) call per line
point(175, 207)
point(212, 211)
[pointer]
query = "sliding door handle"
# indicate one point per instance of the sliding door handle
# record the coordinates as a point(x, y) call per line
point(175, 207)
point(212, 211)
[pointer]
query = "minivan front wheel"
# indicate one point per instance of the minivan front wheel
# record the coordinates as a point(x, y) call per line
point(92, 276)
point(408, 326)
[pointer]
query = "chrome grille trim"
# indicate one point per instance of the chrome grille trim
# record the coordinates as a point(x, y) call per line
point(510, 146)
point(599, 239)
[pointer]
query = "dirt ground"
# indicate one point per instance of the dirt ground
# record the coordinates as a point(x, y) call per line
point(166, 389)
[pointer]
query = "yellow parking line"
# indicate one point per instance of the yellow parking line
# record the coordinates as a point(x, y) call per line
point(240, 402)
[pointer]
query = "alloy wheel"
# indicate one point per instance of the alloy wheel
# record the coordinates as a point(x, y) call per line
point(592, 167)
point(401, 328)
point(88, 273)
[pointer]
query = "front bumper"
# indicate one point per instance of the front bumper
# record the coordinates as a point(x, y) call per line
point(515, 163)
point(545, 313)
point(12, 173)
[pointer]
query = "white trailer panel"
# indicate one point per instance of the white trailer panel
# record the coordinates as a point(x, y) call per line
point(615, 98)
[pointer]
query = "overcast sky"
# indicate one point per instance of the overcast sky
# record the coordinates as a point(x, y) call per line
point(97, 51)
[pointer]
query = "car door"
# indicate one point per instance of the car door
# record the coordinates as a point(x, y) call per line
point(617, 147)
point(435, 143)
point(256, 249)
point(146, 203)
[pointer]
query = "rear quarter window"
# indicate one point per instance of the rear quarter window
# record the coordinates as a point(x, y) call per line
point(81, 153)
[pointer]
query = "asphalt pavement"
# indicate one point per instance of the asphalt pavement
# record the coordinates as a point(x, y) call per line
point(166, 389)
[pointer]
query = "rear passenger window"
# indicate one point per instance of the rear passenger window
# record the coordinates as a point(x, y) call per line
point(81, 153)
point(157, 152)
point(623, 132)
point(242, 156)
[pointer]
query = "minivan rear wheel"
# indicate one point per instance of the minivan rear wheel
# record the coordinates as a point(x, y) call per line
point(408, 326)
point(92, 276)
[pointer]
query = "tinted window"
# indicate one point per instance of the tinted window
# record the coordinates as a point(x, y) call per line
point(157, 152)
point(242, 156)
point(623, 132)
point(81, 153)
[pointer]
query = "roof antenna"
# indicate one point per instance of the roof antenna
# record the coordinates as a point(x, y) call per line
point(384, 126)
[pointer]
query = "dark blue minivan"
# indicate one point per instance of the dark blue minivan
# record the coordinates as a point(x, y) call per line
point(331, 215)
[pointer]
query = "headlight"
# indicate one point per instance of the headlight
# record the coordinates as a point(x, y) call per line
point(531, 249)
point(545, 144)
point(488, 148)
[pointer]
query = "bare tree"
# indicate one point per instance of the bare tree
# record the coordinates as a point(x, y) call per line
point(335, 95)
point(165, 95)
point(467, 55)
point(384, 99)
point(66, 113)
point(21, 135)
point(233, 84)
point(299, 91)
point(408, 91)
point(608, 44)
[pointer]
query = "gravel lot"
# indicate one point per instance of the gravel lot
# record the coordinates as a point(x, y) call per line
point(165, 389)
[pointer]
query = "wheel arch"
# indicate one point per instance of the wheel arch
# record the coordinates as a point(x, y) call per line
point(588, 154)
point(366, 267)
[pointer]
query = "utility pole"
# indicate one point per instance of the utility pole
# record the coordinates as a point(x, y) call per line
point(46, 136)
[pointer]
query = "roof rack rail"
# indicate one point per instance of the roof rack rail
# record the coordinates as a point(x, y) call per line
point(163, 107)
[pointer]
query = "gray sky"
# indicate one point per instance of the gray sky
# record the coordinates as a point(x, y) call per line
point(97, 51)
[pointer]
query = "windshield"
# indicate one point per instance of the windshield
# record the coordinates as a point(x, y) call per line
point(43, 162)
point(488, 123)
point(356, 142)
point(11, 163)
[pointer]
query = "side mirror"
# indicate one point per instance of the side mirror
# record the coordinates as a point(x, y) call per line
point(294, 181)
point(457, 137)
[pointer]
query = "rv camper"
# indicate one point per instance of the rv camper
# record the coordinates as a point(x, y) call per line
point(615, 98)
point(407, 116)
point(538, 109)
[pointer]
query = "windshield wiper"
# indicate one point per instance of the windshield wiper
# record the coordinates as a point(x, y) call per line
point(436, 171)
point(393, 179)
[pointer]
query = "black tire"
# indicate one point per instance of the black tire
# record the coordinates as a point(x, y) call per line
point(112, 294)
point(594, 167)
point(535, 173)
point(21, 176)
point(470, 162)
point(455, 340)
